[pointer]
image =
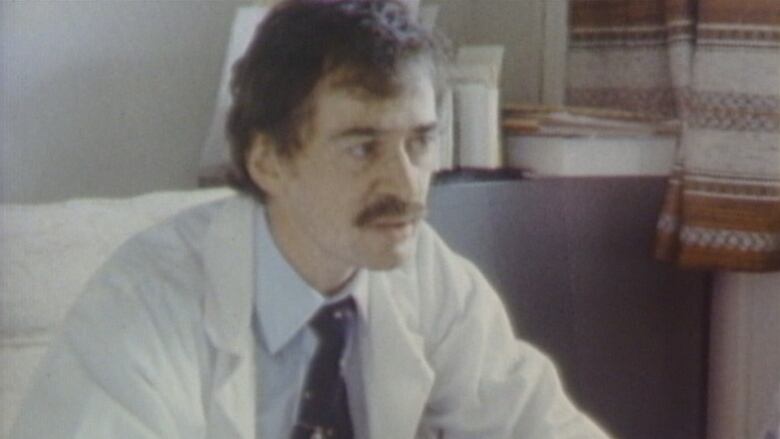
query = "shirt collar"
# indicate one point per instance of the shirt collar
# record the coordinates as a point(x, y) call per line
point(284, 301)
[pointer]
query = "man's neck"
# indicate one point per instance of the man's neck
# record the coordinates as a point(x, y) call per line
point(321, 272)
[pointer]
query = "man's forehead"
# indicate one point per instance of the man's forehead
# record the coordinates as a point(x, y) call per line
point(341, 101)
point(377, 86)
point(412, 101)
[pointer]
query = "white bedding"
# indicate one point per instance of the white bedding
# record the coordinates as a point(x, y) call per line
point(47, 253)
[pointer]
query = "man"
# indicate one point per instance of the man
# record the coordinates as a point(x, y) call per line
point(320, 304)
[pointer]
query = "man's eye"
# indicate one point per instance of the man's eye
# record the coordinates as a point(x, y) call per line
point(421, 144)
point(362, 150)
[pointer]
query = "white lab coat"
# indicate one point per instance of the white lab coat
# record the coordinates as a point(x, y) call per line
point(161, 346)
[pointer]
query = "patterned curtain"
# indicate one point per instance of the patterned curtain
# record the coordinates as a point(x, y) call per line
point(715, 66)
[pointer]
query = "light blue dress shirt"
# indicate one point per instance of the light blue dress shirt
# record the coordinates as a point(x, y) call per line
point(285, 344)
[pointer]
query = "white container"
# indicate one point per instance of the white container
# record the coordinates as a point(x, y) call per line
point(476, 109)
point(544, 155)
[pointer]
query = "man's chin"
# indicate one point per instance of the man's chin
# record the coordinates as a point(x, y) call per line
point(391, 259)
point(392, 247)
point(385, 265)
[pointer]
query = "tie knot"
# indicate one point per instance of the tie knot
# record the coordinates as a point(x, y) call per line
point(332, 320)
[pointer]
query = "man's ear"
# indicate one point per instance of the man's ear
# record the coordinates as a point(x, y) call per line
point(262, 164)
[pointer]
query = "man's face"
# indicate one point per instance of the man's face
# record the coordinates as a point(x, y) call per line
point(354, 195)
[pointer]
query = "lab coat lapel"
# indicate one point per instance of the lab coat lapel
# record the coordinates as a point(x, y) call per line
point(397, 377)
point(232, 411)
point(228, 258)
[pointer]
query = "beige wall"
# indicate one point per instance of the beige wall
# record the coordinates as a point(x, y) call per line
point(106, 98)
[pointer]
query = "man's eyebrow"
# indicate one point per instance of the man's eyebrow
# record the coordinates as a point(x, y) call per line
point(426, 128)
point(355, 132)
point(372, 132)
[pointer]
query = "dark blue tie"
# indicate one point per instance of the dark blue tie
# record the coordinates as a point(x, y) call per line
point(324, 411)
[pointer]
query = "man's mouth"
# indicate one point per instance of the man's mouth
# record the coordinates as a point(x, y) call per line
point(394, 223)
point(398, 229)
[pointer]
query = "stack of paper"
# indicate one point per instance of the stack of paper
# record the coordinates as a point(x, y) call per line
point(476, 104)
point(519, 119)
point(555, 141)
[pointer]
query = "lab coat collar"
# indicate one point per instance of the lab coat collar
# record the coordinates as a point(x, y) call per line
point(228, 260)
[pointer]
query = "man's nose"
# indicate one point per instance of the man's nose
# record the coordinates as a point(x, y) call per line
point(401, 177)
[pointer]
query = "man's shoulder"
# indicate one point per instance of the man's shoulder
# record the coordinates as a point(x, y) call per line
point(153, 285)
point(167, 255)
point(179, 237)
point(436, 272)
point(435, 288)
point(435, 258)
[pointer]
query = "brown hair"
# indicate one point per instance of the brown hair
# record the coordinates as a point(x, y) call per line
point(298, 44)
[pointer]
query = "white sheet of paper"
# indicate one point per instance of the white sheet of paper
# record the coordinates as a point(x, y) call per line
point(216, 152)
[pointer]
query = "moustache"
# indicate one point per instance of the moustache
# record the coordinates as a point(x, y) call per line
point(390, 207)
